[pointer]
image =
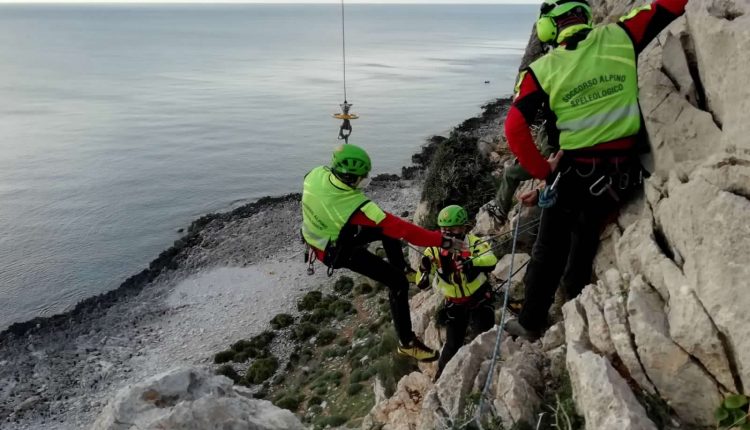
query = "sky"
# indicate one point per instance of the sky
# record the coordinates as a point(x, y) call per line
point(282, 1)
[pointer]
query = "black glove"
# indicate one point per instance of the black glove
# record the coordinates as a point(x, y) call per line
point(466, 264)
point(424, 281)
point(426, 264)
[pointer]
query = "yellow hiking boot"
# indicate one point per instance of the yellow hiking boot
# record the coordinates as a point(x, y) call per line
point(419, 351)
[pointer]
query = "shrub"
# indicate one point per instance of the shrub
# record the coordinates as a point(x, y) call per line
point(229, 372)
point(289, 401)
point(458, 174)
point(363, 288)
point(354, 389)
point(241, 345)
point(281, 321)
point(388, 343)
point(262, 340)
point(224, 356)
point(343, 285)
point(261, 370)
point(314, 400)
point(309, 301)
point(304, 331)
point(325, 337)
point(341, 308)
point(330, 421)
point(318, 316)
point(335, 351)
point(732, 412)
point(391, 368)
point(359, 375)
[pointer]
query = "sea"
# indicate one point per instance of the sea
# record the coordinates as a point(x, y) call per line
point(119, 124)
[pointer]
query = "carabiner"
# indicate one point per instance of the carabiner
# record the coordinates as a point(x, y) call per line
point(599, 182)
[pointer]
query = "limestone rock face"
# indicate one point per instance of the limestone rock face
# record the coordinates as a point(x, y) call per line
point(602, 396)
point(403, 409)
point(668, 314)
point(706, 221)
point(501, 273)
point(188, 399)
point(457, 380)
point(516, 385)
point(690, 391)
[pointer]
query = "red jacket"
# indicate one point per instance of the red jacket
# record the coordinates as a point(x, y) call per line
point(396, 228)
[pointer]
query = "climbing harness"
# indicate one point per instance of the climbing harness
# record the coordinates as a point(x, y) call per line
point(346, 126)
point(310, 258)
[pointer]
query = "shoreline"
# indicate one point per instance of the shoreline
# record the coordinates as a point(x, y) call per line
point(222, 281)
point(169, 259)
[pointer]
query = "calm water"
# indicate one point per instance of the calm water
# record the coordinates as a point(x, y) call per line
point(120, 124)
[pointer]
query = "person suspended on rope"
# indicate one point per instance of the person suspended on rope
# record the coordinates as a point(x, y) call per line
point(462, 279)
point(589, 82)
point(339, 221)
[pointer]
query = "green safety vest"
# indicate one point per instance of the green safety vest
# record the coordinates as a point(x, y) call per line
point(593, 89)
point(327, 206)
point(460, 288)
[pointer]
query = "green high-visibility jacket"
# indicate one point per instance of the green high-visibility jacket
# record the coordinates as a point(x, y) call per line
point(327, 206)
point(593, 89)
point(459, 286)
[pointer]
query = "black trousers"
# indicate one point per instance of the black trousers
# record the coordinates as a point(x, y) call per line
point(351, 253)
point(569, 235)
point(479, 312)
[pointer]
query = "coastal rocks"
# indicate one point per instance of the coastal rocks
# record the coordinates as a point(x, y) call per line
point(502, 269)
point(457, 381)
point(485, 223)
point(602, 396)
point(688, 389)
point(705, 219)
point(719, 32)
point(517, 383)
point(402, 410)
point(190, 399)
point(678, 130)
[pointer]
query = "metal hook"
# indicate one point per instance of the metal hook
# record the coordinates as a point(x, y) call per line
point(593, 168)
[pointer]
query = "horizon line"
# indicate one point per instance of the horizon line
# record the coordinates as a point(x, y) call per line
point(271, 2)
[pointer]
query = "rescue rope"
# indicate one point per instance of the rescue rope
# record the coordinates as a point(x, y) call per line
point(343, 47)
point(346, 126)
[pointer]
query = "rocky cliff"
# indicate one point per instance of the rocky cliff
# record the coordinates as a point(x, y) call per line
point(664, 335)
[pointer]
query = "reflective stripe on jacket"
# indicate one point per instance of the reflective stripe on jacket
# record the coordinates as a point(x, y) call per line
point(455, 284)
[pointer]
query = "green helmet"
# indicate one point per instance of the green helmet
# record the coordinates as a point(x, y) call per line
point(453, 216)
point(546, 27)
point(351, 160)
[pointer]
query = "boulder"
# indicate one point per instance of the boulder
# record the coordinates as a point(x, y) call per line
point(686, 387)
point(402, 410)
point(601, 395)
point(518, 380)
point(616, 317)
point(448, 400)
point(706, 220)
point(188, 399)
point(598, 332)
point(501, 273)
point(719, 31)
